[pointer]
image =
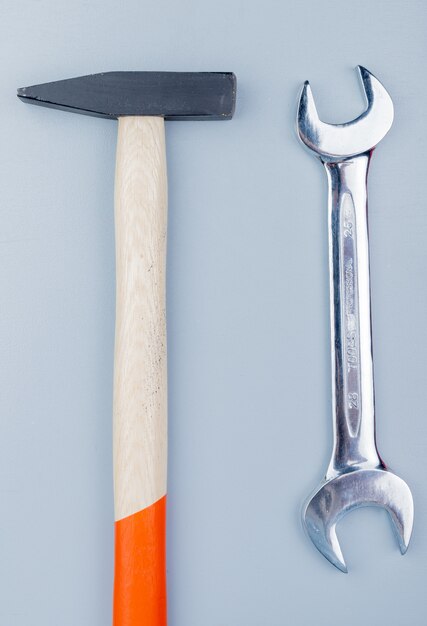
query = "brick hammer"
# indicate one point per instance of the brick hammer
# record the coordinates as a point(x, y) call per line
point(141, 101)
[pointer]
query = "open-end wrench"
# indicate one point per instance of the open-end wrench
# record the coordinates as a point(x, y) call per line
point(356, 476)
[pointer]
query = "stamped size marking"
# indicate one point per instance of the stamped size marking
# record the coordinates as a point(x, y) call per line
point(353, 401)
point(348, 225)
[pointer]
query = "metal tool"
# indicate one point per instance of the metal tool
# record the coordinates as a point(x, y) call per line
point(141, 101)
point(356, 476)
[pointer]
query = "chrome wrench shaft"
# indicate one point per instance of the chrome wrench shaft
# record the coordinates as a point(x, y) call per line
point(351, 344)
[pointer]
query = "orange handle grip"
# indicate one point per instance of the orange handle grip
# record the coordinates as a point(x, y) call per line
point(140, 568)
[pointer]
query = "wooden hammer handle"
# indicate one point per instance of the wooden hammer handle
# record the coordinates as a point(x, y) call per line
point(140, 374)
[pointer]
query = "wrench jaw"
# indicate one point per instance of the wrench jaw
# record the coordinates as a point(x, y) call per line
point(322, 530)
point(337, 142)
point(308, 119)
point(355, 489)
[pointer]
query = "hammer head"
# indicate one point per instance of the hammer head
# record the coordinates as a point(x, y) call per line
point(172, 95)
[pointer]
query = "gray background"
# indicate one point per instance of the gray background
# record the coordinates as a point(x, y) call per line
point(250, 425)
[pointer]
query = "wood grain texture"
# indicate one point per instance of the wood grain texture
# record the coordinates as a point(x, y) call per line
point(140, 372)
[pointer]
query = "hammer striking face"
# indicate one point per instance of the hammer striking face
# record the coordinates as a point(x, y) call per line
point(141, 101)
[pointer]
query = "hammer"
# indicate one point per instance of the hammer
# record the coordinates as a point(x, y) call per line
point(141, 101)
